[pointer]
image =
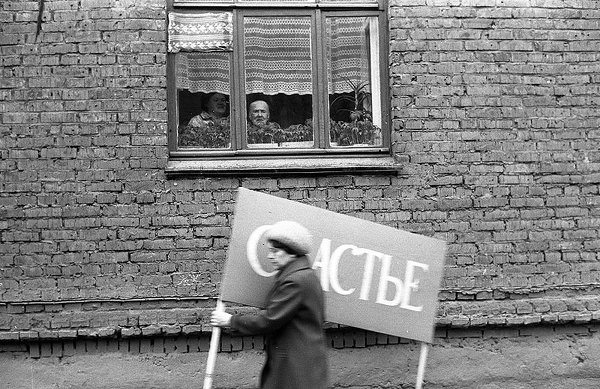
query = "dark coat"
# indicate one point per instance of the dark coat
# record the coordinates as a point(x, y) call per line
point(293, 327)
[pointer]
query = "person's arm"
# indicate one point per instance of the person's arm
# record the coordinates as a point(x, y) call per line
point(197, 121)
point(280, 310)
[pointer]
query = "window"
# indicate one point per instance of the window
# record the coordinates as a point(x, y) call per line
point(252, 80)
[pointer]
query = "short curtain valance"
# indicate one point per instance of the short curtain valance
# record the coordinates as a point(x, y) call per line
point(278, 54)
point(200, 32)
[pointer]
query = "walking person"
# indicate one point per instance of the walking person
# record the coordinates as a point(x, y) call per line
point(292, 322)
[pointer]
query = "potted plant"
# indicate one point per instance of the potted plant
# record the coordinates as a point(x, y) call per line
point(211, 135)
point(360, 128)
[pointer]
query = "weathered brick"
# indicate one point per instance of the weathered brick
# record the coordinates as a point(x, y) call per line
point(485, 116)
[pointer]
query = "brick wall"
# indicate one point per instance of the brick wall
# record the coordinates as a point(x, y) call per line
point(495, 127)
point(562, 356)
point(494, 106)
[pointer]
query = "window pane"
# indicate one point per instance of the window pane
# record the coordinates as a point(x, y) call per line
point(203, 91)
point(278, 64)
point(353, 81)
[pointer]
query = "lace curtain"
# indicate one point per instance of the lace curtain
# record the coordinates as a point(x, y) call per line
point(203, 72)
point(347, 53)
point(200, 32)
point(278, 53)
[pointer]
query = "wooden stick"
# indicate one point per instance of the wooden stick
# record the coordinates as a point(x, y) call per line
point(212, 351)
point(422, 361)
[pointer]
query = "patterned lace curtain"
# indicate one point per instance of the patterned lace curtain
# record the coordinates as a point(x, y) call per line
point(278, 53)
point(204, 44)
point(203, 72)
point(200, 32)
point(348, 53)
point(278, 57)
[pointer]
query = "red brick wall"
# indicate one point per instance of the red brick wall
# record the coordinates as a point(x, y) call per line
point(496, 130)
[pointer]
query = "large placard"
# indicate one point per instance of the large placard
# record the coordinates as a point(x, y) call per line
point(374, 277)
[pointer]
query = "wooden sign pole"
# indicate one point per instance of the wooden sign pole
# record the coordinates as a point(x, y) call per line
point(422, 361)
point(212, 351)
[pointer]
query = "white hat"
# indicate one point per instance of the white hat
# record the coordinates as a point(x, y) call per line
point(292, 235)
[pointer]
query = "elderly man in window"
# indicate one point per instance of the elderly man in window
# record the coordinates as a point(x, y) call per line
point(260, 128)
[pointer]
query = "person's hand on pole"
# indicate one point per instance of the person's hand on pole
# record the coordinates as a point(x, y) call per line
point(214, 345)
point(220, 319)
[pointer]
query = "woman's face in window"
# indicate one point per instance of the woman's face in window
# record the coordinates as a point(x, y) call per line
point(217, 105)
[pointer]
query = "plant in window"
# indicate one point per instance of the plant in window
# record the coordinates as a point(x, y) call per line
point(299, 132)
point(360, 129)
point(268, 133)
point(210, 135)
point(273, 133)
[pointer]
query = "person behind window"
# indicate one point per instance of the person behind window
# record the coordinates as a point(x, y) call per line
point(260, 128)
point(259, 113)
point(214, 110)
point(211, 127)
point(293, 319)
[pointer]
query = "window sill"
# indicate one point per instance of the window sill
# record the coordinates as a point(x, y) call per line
point(282, 166)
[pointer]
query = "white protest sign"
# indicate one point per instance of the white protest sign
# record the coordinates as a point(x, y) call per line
point(374, 277)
